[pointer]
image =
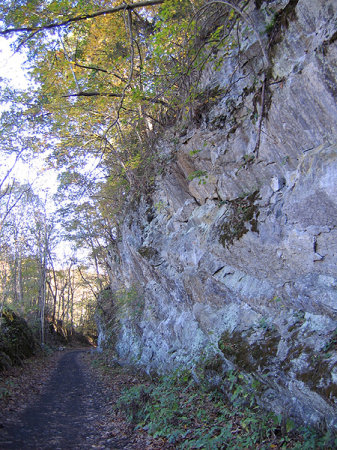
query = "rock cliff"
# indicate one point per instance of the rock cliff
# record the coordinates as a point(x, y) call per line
point(16, 340)
point(234, 255)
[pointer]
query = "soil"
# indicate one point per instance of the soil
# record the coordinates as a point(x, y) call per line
point(71, 409)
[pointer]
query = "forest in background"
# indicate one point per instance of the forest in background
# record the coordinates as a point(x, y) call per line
point(34, 282)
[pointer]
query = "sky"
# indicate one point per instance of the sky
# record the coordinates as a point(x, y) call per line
point(12, 68)
point(11, 65)
point(43, 182)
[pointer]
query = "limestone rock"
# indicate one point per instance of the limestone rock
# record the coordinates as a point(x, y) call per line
point(243, 262)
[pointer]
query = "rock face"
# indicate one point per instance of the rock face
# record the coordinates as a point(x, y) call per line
point(16, 340)
point(235, 254)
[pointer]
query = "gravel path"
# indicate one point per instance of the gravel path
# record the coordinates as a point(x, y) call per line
point(65, 416)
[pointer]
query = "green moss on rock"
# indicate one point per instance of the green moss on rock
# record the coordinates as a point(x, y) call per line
point(314, 370)
point(279, 23)
point(147, 252)
point(214, 363)
point(243, 212)
point(251, 357)
point(318, 377)
point(16, 339)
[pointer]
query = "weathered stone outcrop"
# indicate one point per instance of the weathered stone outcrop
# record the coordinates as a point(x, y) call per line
point(16, 340)
point(235, 255)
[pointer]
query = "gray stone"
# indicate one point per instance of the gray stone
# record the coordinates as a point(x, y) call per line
point(270, 288)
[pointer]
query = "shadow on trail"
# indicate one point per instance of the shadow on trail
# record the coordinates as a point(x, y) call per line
point(63, 417)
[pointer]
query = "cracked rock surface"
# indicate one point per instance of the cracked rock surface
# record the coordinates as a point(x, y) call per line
point(240, 247)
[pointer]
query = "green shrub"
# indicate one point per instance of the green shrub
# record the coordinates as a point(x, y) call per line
point(191, 416)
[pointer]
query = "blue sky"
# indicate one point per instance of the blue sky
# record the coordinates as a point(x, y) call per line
point(11, 65)
point(12, 69)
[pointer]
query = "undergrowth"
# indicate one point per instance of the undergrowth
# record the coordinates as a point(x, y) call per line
point(191, 416)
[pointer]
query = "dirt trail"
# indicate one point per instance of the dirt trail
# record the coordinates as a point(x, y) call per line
point(66, 416)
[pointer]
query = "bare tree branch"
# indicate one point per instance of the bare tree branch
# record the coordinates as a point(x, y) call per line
point(9, 171)
point(116, 95)
point(9, 207)
point(87, 282)
point(259, 125)
point(99, 69)
point(104, 12)
point(24, 41)
point(70, 63)
point(128, 26)
point(247, 18)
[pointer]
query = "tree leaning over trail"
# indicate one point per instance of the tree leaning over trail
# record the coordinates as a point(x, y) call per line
point(50, 24)
point(108, 77)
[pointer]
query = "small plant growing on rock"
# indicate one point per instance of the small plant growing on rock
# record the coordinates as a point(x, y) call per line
point(130, 302)
point(194, 152)
point(200, 174)
point(159, 206)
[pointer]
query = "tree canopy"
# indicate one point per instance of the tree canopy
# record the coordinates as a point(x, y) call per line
point(106, 74)
point(106, 79)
